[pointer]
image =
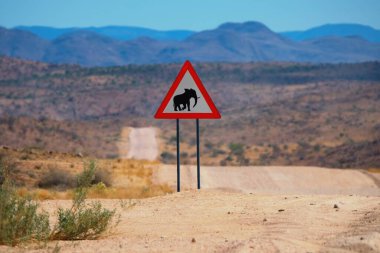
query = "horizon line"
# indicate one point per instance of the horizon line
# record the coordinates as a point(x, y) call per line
point(184, 29)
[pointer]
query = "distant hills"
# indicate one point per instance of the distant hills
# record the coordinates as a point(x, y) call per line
point(115, 32)
point(337, 30)
point(130, 32)
point(230, 42)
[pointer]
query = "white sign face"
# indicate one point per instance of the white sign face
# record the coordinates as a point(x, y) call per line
point(187, 98)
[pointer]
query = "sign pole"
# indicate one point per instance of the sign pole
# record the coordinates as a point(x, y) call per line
point(178, 160)
point(198, 157)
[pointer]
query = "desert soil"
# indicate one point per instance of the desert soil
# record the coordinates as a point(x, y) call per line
point(220, 221)
point(239, 209)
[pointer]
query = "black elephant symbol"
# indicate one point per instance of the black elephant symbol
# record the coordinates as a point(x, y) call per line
point(184, 99)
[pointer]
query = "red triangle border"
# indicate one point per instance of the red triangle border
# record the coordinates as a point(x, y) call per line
point(214, 114)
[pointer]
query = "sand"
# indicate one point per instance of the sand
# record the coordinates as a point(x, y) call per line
point(239, 209)
point(220, 221)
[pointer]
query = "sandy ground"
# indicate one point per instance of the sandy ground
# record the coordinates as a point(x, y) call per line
point(138, 143)
point(239, 209)
point(220, 221)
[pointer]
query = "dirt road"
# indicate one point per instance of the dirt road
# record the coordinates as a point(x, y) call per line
point(216, 221)
point(272, 179)
point(138, 143)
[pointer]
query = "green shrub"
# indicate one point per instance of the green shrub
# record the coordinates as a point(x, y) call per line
point(236, 148)
point(82, 221)
point(19, 220)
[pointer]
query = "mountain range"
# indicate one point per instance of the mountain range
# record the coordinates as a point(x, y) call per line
point(115, 32)
point(130, 32)
point(342, 30)
point(230, 42)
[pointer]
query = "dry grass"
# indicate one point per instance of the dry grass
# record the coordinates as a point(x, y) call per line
point(374, 170)
point(130, 192)
point(128, 178)
point(96, 192)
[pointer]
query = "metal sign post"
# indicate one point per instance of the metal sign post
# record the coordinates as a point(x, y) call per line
point(178, 161)
point(198, 158)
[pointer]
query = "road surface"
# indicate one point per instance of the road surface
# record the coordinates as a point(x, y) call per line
point(272, 179)
point(138, 143)
point(142, 144)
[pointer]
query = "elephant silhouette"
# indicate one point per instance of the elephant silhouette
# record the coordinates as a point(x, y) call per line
point(184, 99)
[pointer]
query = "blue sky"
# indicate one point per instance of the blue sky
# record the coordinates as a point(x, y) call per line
point(279, 15)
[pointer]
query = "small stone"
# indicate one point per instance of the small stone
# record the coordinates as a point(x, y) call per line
point(228, 212)
point(265, 219)
point(312, 204)
point(281, 210)
point(193, 240)
point(361, 238)
point(336, 206)
point(286, 198)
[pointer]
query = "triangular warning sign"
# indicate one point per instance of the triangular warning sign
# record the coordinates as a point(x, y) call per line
point(187, 98)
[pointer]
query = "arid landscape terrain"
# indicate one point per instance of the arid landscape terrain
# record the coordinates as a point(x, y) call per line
point(239, 209)
point(189, 126)
point(274, 113)
point(292, 166)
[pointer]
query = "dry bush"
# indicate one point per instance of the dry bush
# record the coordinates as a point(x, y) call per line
point(102, 176)
point(57, 178)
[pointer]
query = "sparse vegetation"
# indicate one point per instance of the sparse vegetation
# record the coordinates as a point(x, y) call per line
point(82, 221)
point(237, 149)
point(19, 219)
point(56, 178)
point(330, 105)
point(102, 176)
point(167, 157)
